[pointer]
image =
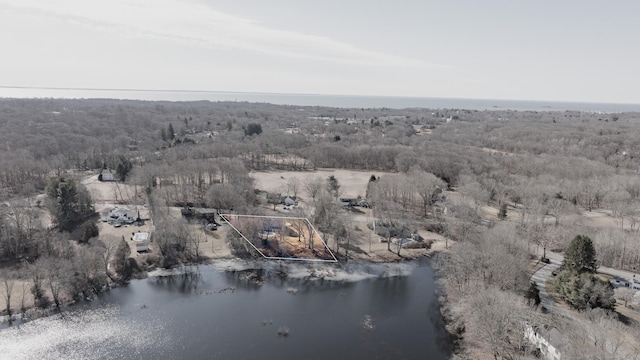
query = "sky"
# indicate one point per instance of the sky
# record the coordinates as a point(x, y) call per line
point(568, 50)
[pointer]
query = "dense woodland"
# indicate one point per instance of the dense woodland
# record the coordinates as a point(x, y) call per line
point(515, 180)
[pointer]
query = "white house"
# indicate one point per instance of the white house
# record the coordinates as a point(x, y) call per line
point(107, 175)
point(632, 283)
point(549, 341)
point(141, 239)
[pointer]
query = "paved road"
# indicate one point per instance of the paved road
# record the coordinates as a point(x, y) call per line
point(547, 304)
point(555, 257)
point(541, 277)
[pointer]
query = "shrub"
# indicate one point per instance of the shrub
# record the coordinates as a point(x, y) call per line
point(583, 291)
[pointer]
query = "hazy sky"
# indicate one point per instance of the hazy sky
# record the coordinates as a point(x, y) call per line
point(530, 50)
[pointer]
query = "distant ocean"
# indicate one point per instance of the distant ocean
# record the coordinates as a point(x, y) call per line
point(340, 101)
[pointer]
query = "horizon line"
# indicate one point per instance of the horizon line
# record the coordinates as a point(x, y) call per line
point(303, 94)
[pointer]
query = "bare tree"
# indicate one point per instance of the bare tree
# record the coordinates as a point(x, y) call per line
point(462, 219)
point(193, 244)
point(293, 186)
point(624, 294)
point(339, 234)
point(109, 244)
point(499, 320)
point(618, 202)
point(385, 198)
point(406, 193)
point(23, 306)
point(299, 226)
point(8, 281)
point(86, 272)
point(313, 187)
point(37, 277)
point(591, 192)
point(236, 194)
point(274, 199)
point(559, 208)
point(54, 274)
point(325, 214)
point(474, 192)
point(426, 185)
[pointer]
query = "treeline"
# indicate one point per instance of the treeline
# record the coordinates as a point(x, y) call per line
point(486, 281)
point(45, 135)
point(38, 136)
point(606, 138)
point(541, 165)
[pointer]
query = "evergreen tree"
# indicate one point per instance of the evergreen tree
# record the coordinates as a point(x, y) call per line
point(584, 290)
point(89, 230)
point(121, 257)
point(67, 203)
point(533, 294)
point(172, 132)
point(372, 181)
point(576, 282)
point(580, 255)
point(123, 168)
point(502, 214)
point(333, 186)
point(253, 129)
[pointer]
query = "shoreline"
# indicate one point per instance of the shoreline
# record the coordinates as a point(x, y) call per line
point(230, 263)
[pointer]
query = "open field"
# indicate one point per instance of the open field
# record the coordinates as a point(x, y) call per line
point(353, 183)
point(113, 192)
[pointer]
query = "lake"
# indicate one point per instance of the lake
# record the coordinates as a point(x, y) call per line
point(238, 310)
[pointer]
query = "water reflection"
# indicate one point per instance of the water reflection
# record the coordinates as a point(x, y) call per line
point(442, 339)
point(251, 279)
point(184, 283)
point(346, 312)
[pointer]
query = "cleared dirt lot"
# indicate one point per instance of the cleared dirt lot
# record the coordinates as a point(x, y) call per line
point(352, 182)
point(113, 192)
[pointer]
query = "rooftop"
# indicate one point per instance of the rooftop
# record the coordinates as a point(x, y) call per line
point(141, 236)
